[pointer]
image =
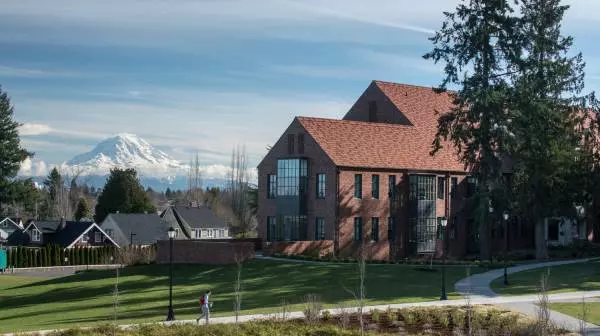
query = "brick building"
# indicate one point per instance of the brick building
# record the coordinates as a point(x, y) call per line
point(369, 180)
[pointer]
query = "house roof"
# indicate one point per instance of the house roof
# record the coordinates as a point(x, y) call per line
point(390, 146)
point(54, 232)
point(148, 228)
point(199, 217)
point(421, 105)
point(378, 145)
point(12, 220)
point(18, 238)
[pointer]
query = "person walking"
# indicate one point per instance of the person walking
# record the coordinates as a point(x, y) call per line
point(204, 307)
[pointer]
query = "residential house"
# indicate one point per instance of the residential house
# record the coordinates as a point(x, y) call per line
point(138, 228)
point(66, 234)
point(197, 222)
point(368, 181)
point(9, 225)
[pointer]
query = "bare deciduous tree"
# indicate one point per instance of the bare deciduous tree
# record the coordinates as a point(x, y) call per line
point(194, 192)
point(543, 309)
point(237, 299)
point(237, 191)
point(360, 293)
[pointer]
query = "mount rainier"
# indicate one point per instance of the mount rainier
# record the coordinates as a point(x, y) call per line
point(155, 168)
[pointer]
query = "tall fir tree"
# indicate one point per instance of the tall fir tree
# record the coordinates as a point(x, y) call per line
point(124, 193)
point(474, 43)
point(82, 210)
point(547, 111)
point(11, 152)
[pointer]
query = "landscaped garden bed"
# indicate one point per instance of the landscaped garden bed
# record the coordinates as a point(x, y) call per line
point(480, 320)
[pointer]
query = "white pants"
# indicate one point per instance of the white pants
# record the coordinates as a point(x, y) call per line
point(205, 313)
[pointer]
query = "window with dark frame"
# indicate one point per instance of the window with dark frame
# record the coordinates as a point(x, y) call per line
point(392, 186)
point(375, 186)
point(321, 185)
point(292, 177)
point(471, 185)
point(358, 186)
point(357, 235)
point(375, 229)
point(272, 228)
point(320, 228)
point(290, 144)
point(300, 143)
point(272, 186)
point(391, 228)
point(454, 183)
point(441, 187)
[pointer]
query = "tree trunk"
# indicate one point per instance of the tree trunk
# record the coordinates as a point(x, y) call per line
point(541, 251)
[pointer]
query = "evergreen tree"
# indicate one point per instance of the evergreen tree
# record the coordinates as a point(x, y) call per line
point(82, 210)
point(124, 193)
point(11, 152)
point(26, 260)
point(475, 42)
point(58, 255)
point(547, 112)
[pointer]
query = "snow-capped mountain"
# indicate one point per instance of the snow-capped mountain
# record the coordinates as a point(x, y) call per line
point(126, 150)
point(155, 168)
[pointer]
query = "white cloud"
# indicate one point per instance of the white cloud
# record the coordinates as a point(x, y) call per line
point(209, 122)
point(10, 71)
point(34, 129)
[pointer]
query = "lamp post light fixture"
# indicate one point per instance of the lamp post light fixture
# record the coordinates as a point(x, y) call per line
point(131, 238)
point(66, 261)
point(171, 314)
point(443, 223)
point(505, 216)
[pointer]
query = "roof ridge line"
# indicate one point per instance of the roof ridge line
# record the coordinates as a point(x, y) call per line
point(378, 124)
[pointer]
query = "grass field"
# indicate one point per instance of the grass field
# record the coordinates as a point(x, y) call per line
point(575, 310)
point(566, 278)
point(86, 298)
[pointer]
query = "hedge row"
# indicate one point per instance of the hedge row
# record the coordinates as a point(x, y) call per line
point(54, 255)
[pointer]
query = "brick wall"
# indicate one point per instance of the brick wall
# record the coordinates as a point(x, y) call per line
point(323, 247)
point(318, 163)
point(204, 252)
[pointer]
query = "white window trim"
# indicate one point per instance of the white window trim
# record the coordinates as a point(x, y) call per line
point(36, 235)
point(98, 237)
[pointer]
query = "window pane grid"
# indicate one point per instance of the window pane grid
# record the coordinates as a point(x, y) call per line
point(321, 185)
point(392, 186)
point(272, 186)
point(375, 186)
point(358, 186)
point(375, 229)
point(357, 235)
point(320, 229)
point(291, 177)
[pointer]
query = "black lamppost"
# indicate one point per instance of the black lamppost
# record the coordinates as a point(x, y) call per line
point(170, 314)
point(131, 238)
point(505, 217)
point(444, 223)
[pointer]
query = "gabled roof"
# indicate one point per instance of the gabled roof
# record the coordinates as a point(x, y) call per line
point(62, 233)
point(148, 228)
point(199, 217)
point(379, 145)
point(12, 221)
point(421, 105)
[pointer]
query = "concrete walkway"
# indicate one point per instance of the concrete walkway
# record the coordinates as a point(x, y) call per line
point(477, 287)
point(523, 299)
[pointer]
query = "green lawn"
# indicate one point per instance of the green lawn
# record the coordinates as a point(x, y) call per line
point(575, 310)
point(86, 298)
point(566, 278)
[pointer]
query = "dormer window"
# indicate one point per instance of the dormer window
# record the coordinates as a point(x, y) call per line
point(36, 235)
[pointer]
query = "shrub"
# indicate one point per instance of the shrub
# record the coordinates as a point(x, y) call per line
point(375, 315)
point(326, 315)
point(312, 308)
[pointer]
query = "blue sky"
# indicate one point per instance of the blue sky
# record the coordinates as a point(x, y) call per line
point(192, 75)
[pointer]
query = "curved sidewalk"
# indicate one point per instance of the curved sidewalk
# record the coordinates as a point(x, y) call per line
point(477, 287)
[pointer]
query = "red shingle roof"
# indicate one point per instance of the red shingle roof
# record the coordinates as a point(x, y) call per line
point(392, 146)
point(378, 145)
